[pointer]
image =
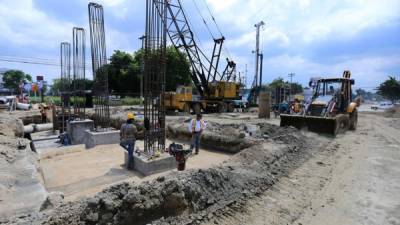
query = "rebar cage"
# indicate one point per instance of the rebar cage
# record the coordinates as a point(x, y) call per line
point(154, 76)
point(99, 62)
point(65, 61)
point(79, 65)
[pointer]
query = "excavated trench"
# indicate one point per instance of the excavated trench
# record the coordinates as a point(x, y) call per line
point(264, 154)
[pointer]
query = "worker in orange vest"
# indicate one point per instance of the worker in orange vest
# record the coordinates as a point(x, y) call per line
point(196, 127)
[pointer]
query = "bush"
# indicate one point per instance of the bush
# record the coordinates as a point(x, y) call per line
point(131, 101)
point(47, 99)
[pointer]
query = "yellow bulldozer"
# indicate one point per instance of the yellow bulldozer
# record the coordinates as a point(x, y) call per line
point(331, 110)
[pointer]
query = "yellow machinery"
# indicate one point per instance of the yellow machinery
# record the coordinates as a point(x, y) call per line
point(221, 98)
point(224, 89)
point(177, 100)
point(331, 110)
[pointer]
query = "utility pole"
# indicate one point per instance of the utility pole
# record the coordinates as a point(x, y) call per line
point(257, 52)
point(245, 75)
point(261, 67)
point(291, 75)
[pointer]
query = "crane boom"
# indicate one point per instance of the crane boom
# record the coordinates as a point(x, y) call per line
point(181, 35)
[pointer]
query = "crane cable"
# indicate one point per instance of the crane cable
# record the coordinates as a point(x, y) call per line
point(218, 28)
point(202, 17)
point(213, 18)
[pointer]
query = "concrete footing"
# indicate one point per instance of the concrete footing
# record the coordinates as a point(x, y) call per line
point(101, 138)
point(77, 130)
point(156, 165)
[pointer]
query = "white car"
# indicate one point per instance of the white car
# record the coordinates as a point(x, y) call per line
point(382, 105)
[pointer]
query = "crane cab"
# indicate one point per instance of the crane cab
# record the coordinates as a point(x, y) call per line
point(176, 100)
point(224, 90)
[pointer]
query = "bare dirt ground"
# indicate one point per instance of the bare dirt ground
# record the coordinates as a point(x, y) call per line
point(83, 173)
point(355, 179)
point(288, 177)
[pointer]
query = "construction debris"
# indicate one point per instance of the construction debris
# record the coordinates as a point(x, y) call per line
point(201, 192)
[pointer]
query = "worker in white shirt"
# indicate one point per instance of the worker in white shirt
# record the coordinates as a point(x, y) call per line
point(196, 127)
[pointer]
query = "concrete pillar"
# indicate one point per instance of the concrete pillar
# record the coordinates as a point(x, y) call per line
point(264, 105)
point(76, 130)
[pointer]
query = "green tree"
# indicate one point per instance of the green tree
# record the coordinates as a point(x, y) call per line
point(28, 77)
point(12, 79)
point(56, 87)
point(125, 70)
point(178, 69)
point(279, 82)
point(390, 89)
point(123, 73)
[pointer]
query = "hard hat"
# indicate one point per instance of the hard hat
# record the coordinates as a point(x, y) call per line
point(130, 116)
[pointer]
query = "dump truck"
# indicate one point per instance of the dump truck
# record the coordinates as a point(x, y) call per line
point(331, 110)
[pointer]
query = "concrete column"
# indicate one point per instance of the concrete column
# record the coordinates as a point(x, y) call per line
point(264, 105)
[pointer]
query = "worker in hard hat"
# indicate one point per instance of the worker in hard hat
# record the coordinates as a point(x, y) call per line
point(128, 134)
point(296, 107)
point(43, 112)
point(196, 127)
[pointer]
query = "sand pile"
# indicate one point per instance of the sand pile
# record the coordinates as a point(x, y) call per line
point(393, 112)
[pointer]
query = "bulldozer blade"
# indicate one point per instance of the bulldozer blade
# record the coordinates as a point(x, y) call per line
point(312, 123)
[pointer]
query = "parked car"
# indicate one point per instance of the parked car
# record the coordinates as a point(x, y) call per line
point(382, 105)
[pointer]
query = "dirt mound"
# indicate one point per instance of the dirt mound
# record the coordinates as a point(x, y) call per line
point(194, 196)
point(393, 112)
point(10, 131)
point(224, 137)
point(18, 171)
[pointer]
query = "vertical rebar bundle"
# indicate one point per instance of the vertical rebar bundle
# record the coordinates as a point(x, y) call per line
point(65, 62)
point(78, 83)
point(99, 61)
point(154, 76)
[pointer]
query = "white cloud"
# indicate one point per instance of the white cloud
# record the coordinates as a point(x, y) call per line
point(368, 71)
point(27, 26)
point(307, 19)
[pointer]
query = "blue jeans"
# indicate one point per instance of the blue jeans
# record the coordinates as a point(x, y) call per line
point(129, 146)
point(195, 141)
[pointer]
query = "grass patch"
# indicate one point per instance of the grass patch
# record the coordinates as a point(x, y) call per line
point(131, 101)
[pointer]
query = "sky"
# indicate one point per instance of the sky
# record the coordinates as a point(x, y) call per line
point(311, 38)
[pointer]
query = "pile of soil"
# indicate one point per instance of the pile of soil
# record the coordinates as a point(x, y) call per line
point(393, 112)
point(20, 189)
point(230, 138)
point(194, 196)
point(10, 131)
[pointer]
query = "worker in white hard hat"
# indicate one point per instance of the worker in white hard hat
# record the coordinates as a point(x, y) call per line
point(128, 134)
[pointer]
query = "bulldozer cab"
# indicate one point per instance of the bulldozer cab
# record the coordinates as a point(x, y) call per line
point(338, 89)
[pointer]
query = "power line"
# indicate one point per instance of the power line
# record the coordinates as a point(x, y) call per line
point(204, 21)
point(33, 62)
point(213, 18)
point(218, 28)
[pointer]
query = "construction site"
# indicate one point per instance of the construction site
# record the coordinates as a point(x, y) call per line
point(214, 150)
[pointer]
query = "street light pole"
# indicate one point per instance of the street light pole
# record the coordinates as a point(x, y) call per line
point(291, 75)
point(257, 52)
